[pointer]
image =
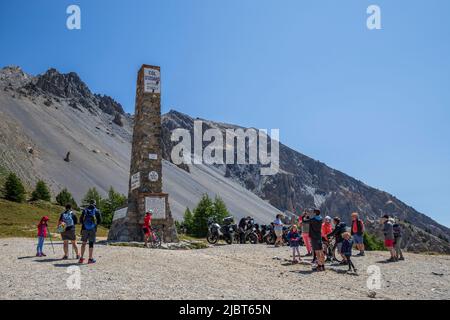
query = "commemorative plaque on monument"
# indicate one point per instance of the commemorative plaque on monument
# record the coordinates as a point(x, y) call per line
point(145, 185)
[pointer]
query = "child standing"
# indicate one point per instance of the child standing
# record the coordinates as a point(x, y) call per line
point(294, 242)
point(347, 245)
point(42, 233)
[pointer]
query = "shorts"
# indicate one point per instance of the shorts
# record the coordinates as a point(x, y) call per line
point(389, 243)
point(278, 233)
point(358, 239)
point(88, 235)
point(316, 244)
point(69, 235)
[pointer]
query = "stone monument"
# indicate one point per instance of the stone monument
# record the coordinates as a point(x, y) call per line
point(145, 184)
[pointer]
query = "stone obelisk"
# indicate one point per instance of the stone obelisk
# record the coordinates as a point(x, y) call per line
point(145, 184)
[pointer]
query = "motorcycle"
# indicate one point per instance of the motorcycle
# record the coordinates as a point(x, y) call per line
point(269, 236)
point(251, 232)
point(259, 233)
point(217, 232)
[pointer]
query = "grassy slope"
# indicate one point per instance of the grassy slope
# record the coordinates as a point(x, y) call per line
point(20, 219)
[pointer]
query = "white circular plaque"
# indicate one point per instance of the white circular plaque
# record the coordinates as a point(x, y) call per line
point(153, 176)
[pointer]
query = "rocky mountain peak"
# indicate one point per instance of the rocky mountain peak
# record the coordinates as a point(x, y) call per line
point(13, 76)
point(54, 85)
point(63, 85)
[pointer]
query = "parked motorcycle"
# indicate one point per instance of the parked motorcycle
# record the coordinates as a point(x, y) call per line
point(251, 234)
point(217, 232)
point(269, 236)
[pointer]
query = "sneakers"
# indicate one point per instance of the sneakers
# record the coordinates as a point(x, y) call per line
point(90, 261)
point(401, 258)
point(391, 260)
point(361, 254)
point(65, 258)
point(78, 257)
point(43, 254)
point(38, 254)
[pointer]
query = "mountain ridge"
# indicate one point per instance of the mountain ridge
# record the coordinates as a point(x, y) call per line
point(302, 182)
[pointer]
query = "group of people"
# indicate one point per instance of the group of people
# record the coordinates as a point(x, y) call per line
point(89, 220)
point(317, 232)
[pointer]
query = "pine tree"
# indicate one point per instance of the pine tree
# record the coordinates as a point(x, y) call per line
point(188, 221)
point(220, 209)
point(109, 205)
point(92, 194)
point(65, 197)
point(41, 192)
point(14, 189)
point(202, 212)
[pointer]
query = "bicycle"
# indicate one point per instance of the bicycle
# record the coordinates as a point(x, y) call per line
point(329, 248)
point(155, 237)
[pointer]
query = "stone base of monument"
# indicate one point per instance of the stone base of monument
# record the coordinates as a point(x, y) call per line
point(127, 222)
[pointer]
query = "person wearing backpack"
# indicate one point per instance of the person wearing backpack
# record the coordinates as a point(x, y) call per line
point(357, 232)
point(67, 222)
point(89, 220)
point(398, 240)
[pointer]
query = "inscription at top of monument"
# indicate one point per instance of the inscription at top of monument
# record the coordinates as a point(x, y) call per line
point(152, 80)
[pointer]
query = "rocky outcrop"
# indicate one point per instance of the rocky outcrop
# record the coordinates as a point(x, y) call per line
point(305, 183)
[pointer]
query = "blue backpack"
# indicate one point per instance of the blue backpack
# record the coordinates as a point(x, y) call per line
point(67, 218)
point(89, 218)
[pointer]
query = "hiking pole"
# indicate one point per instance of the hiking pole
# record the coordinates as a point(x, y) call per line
point(50, 238)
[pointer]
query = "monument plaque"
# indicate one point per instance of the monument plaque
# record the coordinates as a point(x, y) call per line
point(153, 176)
point(157, 205)
point(135, 181)
point(152, 80)
point(145, 184)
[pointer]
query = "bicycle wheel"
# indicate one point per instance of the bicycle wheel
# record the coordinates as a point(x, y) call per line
point(156, 240)
point(335, 252)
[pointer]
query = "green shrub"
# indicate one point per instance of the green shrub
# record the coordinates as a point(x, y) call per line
point(41, 192)
point(372, 243)
point(14, 189)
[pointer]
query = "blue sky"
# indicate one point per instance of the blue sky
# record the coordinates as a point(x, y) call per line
point(374, 104)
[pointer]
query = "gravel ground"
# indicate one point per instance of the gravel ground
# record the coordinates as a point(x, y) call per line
point(221, 272)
